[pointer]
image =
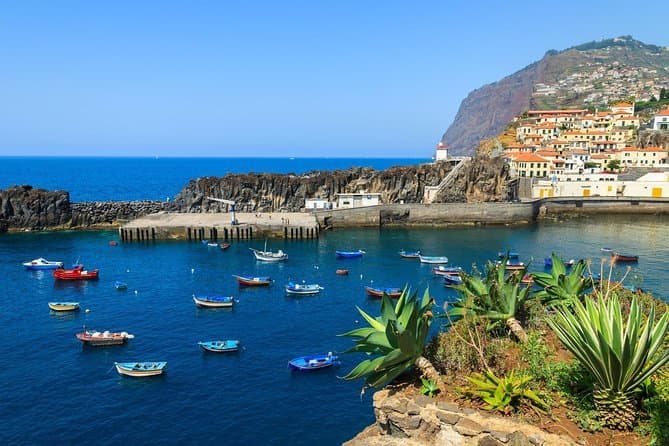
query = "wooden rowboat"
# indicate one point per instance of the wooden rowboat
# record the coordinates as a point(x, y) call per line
point(313, 362)
point(140, 369)
point(213, 301)
point(220, 346)
point(617, 257)
point(64, 306)
point(253, 281)
point(379, 292)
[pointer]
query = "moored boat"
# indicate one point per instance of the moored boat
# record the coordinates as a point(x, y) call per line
point(78, 273)
point(442, 270)
point(103, 338)
point(509, 254)
point(303, 288)
point(64, 306)
point(617, 257)
point(433, 259)
point(140, 369)
point(113, 243)
point(342, 272)
point(42, 263)
point(514, 266)
point(548, 262)
point(230, 345)
point(452, 280)
point(213, 301)
point(269, 256)
point(379, 292)
point(349, 254)
point(224, 246)
point(313, 362)
point(409, 254)
point(120, 285)
point(212, 244)
point(252, 281)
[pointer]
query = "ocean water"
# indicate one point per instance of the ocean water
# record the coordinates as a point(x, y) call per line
point(55, 391)
point(89, 179)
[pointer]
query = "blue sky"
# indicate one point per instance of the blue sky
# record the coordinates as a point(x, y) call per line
point(283, 78)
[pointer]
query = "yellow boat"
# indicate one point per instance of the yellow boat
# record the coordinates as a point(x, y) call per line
point(64, 306)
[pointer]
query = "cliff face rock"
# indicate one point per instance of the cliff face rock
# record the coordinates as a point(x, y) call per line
point(110, 213)
point(275, 192)
point(653, 138)
point(589, 75)
point(27, 208)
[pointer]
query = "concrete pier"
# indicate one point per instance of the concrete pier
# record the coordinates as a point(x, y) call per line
point(219, 226)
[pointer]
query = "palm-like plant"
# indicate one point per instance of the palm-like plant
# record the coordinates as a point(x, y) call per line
point(397, 337)
point(620, 356)
point(560, 287)
point(498, 298)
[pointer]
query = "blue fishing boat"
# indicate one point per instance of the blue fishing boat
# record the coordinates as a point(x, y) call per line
point(349, 254)
point(379, 292)
point(42, 263)
point(509, 254)
point(303, 288)
point(452, 280)
point(313, 362)
point(252, 281)
point(120, 285)
point(213, 301)
point(140, 369)
point(548, 262)
point(442, 270)
point(230, 345)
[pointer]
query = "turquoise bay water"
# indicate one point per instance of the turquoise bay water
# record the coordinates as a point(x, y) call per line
point(54, 391)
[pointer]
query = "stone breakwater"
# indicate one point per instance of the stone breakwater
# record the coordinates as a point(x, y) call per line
point(406, 420)
point(28, 208)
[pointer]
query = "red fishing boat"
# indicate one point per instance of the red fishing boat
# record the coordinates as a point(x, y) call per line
point(78, 273)
point(379, 292)
point(252, 281)
point(98, 339)
point(617, 257)
point(342, 272)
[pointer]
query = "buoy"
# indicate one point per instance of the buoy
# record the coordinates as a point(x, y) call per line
point(192, 270)
point(127, 270)
point(135, 291)
point(88, 310)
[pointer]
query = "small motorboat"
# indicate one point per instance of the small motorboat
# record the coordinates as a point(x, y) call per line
point(269, 256)
point(617, 257)
point(606, 249)
point(379, 292)
point(77, 273)
point(509, 254)
point(213, 301)
point(527, 279)
point(442, 270)
point(513, 266)
point(342, 272)
point(548, 262)
point(313, 362)
point(212, 244)
point(64, 306)
point(42, 263)
point(220, 346)
point(452, 280)
point(433, 259)
point(224, 246)
point(120, 285)
point(349, 254)
point(253, 281)
point(103, 338)
point(409, 254)
point(140, 369)
point(113, 243)
point(303, 288)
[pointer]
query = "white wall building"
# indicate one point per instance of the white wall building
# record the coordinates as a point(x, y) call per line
point(442, 152)
point(661, 120)
point(358, 199)
point(311, 204)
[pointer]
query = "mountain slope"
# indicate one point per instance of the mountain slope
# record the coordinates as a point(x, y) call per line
point(588, 75)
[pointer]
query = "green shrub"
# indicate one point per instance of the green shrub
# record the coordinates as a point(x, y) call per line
point(505, 394)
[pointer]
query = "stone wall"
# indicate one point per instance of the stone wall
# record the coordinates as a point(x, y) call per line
point(112, 213)
point(23, 207)
point(418, 420)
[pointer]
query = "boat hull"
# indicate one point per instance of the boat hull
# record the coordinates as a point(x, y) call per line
point(269, 256)
point(342, 272)
point(64, 306)
point(253, 281)
point(315, 362)
point(75, 274)
point(303, 289)
point(433, 259)
point(203, 302)
point(624, 258)
point(349, 254)
point(140, 369)
point(220, 346)
point(443, 271)
point(101, 340)
point(378, 292)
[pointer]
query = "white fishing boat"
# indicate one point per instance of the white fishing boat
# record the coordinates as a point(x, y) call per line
point(303, 288)
point(433, 259)
point(269, 256)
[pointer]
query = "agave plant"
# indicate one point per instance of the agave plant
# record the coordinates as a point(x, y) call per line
point(396, 338)
point(620, 356)
point(429, 387)
point(504, 394)
point(560, 288)
point(498, 297)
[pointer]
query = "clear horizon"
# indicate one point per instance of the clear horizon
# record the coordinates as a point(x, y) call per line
point(294, 79)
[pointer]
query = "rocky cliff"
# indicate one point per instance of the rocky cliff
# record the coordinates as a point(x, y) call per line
point(588, 75)
point(111, 213)
point(275, 192)
point(34, 209)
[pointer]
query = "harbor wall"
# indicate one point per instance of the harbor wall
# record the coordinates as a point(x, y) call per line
point(557, 207)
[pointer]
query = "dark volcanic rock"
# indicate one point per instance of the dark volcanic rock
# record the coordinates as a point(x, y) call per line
point(100, 213)
point(27, 208)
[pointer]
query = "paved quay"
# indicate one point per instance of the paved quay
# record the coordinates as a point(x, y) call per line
point(219, 226)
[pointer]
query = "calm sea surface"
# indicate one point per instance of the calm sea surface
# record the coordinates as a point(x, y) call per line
point(54, 391)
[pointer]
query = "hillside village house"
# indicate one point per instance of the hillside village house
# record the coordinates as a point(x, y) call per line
point(652, 185)
point(661, 120)
point(529, 165)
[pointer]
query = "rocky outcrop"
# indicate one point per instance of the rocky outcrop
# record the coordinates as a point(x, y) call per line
point(418, 420)
point(112, 213)
point(653, 138)
point(35, 209)
point(401, 184)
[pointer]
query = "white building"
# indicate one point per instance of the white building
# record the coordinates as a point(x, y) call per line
point(358, 199)
point(317, 203)
point(442, 152)
point(661, 120)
